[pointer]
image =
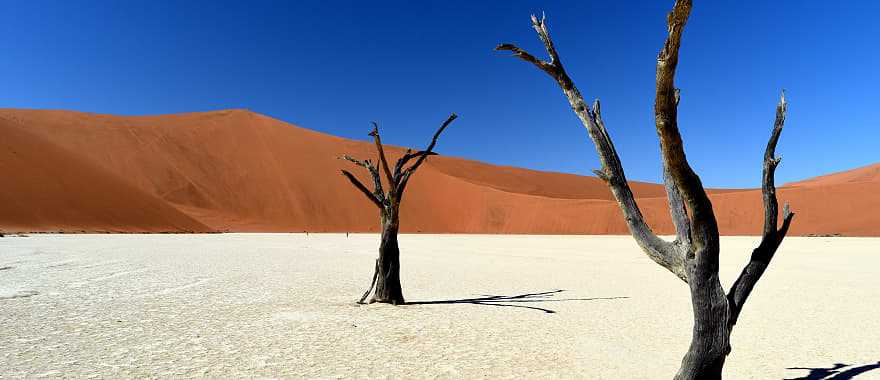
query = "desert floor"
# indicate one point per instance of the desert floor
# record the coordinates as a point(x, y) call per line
point(282, 305)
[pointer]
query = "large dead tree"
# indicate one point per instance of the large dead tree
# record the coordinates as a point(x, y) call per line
point(693, 255)
point(386, 275)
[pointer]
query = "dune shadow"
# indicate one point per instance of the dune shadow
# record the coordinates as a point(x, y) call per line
point(514, 300)
point(838, 371)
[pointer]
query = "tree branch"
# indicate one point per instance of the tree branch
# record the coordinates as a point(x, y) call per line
point(378, 192)
point(772, 238)
point(354, 181)
point(787, 216)
point(525, 56)
point(372, 283)
point(703, 225)
point(554, 67)
point(540, 26)
point(768, 187)
point(382, 159)
point(666, 254)
point(409, 155)
point(404, 178)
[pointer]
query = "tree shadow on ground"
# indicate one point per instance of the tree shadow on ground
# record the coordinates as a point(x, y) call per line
point(513, 301)
point(839, 371)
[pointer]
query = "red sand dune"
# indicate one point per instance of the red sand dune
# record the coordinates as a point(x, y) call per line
point(236, 170)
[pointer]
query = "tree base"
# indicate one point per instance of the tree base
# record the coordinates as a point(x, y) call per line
point(394, 301)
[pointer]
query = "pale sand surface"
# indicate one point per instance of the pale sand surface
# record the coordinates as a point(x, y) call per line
point(278, 305)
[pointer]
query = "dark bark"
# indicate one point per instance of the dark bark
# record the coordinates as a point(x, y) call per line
point(771, 238)
point(388, 288)
point(386, 274)
point(693, 256)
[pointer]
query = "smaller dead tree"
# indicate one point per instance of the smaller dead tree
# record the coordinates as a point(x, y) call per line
point(386, 275)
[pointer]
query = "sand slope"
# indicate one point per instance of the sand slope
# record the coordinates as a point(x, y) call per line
point(237, 170)
point(46, 188)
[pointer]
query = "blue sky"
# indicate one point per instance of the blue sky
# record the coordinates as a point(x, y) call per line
point(336, 66)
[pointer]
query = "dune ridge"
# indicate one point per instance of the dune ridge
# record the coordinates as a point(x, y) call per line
point(236, 170)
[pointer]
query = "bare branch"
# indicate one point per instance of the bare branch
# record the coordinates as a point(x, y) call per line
point(372, 283)
point(429, 151)
point(540, 27)
point(768, 188)
point(354, 181)
point(357, 162)
point(378, 192)
point(704, 227)
point(771, 234)
point(554, 67)
point(772, 237)
point(382, 159)
point(666, 254)
point(409, 155)
point(525, 56)
point(404, 177)
point(787, 216)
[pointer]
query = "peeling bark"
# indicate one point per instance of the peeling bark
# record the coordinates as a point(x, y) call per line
point(694, 254)
point(386, 274)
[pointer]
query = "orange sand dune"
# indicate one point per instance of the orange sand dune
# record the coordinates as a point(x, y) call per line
point(867, 174)
point(46, 188)
point(236, 170)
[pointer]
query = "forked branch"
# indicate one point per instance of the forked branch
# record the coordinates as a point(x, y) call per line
point(374, 173)
point(554, 67)
point(430, 149)
point(773, 234)
point(398, 180)
point(382, 160)
point(403, 178)
point(768, 187)
point(667, 254)
point(407, 156)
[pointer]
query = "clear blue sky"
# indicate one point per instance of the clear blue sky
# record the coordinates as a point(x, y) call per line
point(335, 66)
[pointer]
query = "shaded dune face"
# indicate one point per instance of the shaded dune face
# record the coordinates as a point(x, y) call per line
point(236, 170)
point(48, 188)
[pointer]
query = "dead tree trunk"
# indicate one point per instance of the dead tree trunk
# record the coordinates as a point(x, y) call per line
point(388, 269)
point(693, 255)
point(386, 275)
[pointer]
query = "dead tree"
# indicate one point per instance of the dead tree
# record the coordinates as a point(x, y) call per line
point(693, 255)
point(386, 275)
